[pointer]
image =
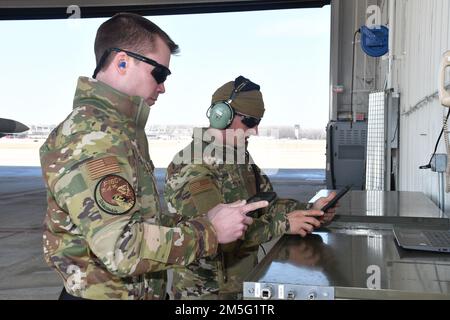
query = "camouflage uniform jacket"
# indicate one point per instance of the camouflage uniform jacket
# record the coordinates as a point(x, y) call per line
point(193, 187)
point(102, 231)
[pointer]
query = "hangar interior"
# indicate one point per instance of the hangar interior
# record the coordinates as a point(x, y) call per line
point(389, 101)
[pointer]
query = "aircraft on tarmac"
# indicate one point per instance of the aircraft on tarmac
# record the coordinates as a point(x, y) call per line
point(8, 126)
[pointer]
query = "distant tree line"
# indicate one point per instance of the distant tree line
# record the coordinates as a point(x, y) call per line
point(185, 131)
point(276, 132)
point(287, 132)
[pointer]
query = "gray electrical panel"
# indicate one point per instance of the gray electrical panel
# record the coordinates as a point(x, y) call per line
point(346, 155)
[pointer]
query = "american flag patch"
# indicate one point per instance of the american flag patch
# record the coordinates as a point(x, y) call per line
point(200, 186)
point(102, 167)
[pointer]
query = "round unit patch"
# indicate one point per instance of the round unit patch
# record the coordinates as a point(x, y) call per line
point(115, 195)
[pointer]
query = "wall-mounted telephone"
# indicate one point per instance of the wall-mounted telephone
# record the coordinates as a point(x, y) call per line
point(444, 97)
point(444, 94)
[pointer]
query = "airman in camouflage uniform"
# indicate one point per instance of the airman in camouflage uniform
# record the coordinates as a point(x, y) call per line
point(102, 231)
point(201, 176)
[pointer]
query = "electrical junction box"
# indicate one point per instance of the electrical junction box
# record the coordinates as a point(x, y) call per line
point(439, 163)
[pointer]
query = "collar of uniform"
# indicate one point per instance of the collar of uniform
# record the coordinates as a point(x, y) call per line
point(209, 136)
point(131, 107)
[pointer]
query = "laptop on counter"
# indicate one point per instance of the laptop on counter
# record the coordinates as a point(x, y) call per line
point(424, 240)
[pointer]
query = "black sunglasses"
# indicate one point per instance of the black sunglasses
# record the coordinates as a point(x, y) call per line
point(248, 121)
point(159, 72)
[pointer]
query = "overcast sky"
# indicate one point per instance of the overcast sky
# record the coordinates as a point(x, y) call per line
point(285, 51)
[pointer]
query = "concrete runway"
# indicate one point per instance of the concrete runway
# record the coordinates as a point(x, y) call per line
point(23, 272)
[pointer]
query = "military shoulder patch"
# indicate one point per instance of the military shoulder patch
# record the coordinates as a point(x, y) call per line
point(205, 195)
point(115, 195)
point(102, 167)
point(200, 186)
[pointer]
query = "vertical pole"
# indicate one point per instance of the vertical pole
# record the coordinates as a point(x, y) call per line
point(441, 193)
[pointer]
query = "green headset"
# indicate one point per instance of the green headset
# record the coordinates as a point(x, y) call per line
point(221, 113)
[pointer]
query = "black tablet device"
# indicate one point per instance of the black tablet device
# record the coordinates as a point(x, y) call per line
point(262, 196)
point(335, 200)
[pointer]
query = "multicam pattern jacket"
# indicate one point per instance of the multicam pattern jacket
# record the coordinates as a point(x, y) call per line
point(195, 183)
point(102, 230)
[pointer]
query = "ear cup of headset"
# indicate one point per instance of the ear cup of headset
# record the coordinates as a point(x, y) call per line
point(220, 116)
